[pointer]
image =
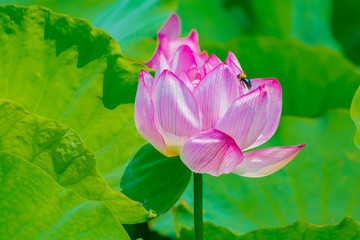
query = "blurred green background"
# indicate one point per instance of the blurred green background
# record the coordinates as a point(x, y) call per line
point(312, 48)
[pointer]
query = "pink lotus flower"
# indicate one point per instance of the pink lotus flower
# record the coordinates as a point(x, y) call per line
point(199, 110)
point(169, 41)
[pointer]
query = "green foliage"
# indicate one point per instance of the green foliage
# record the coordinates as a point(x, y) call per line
point(55, 66)
point(355, 115)
point(34, 206)
point(306, 20)
point(330, 23)
point(346, 27)
point(213, 21)
point(133, 23)
point(221, 20)
point(65, 69)
point(60, 153)
point(321, 185)
point(313, 79)
point(211, 232)
point(164, 225)
point(347, 229)
point(155, 180)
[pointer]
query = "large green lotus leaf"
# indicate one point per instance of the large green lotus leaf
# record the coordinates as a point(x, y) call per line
point(55, 66)
point(133, 23)
point(59, 151)
point(346, 27)
point(313, 79)
point(321, 185)
point(211, 232)
point(220, 20)
point(34, 206)
point(355, 115)
point(347, 229)
point(155, 180)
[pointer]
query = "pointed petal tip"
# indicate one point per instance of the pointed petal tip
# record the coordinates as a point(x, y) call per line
point(233, 62)
point(193, 36)
point(223, 66)
point(171, 27)
point(274, 81)
point(231, 56)
point(184, 48)
point(263, 162)
point(300, 146)
point(163, 61)
point(174, 17)
point(143, 72)
point(146, 80)
point(213, 56)
point(260, 90)
point(166, 72)
point(204, 55)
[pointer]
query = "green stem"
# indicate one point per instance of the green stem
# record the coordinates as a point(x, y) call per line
point(198, 207)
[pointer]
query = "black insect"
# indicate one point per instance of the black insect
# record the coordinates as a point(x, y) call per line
point(244, 80)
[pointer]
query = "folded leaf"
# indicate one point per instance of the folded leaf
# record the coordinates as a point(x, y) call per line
point(355, 115)
point(155, 180)
point(59, 152)
point(64, 69)
point(34, 206)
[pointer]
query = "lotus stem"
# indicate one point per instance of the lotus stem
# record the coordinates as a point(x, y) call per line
point(198, 207)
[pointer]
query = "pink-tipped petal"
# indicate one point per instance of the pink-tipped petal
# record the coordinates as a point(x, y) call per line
point(210, 64)
point(193, 36)
point(169, 43)
point(172, 27)
point(232, 61)
point(177, 115)
point(274, 95)
point(185, 59)
point(154, 61)
point(191, 41)
point(148, 80)
point(263, 162)
point(162, 49)
point(272, 83)
point(204, 55)
point(163, 64)
point(144, 116)
point(252, 119)
point(212, 152)
point(215, 93)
